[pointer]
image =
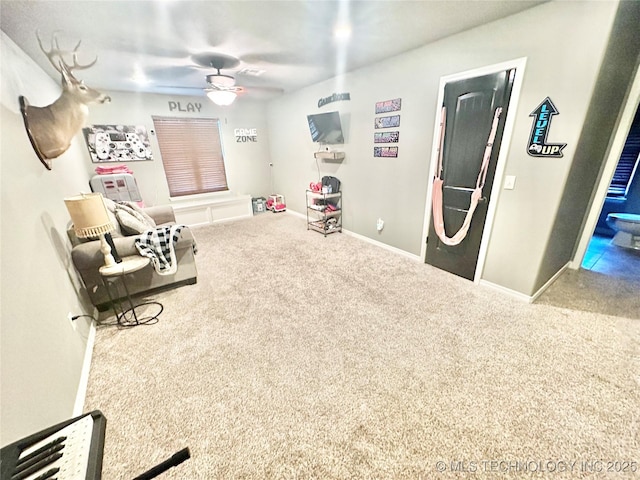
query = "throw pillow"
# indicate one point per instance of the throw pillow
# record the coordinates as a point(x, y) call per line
point(111, 210)
point(141, 211)
point(131, 221)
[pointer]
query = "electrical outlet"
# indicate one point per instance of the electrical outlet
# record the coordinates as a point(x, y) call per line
point(70, 316)
point(380, 224)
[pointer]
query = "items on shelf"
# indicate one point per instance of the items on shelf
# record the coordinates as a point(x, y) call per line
point(330, 184)
point(111, 169)
point(324, 209)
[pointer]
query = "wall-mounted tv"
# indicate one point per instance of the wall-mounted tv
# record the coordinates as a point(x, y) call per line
point(326, 128)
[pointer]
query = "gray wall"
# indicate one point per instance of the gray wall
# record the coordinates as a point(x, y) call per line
point(563, 64)
point(246, 163)
point(617, 73)
point(41, 353)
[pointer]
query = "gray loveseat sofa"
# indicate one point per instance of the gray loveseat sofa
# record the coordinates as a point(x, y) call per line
point(87, 259)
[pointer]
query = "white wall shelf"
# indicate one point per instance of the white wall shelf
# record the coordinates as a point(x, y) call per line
point(329, 155)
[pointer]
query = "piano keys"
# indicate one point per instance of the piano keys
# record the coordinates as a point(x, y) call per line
point(71, 450)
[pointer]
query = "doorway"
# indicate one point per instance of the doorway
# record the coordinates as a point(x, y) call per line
point(594, 247)
point(623, 196)
point(473, 139)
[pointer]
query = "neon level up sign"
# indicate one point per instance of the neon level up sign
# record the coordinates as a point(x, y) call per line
point(538, 146)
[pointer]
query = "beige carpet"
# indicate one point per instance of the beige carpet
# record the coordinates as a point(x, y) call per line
point(302, 357)
point(616, 292)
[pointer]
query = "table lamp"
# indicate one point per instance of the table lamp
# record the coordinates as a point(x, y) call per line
point(91, 219)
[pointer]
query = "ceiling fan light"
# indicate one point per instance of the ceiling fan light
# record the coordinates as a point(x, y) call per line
point(221, 97)
point(221, 80)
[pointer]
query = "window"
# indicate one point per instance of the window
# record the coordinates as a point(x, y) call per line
point(192, 156)
point(628, 163)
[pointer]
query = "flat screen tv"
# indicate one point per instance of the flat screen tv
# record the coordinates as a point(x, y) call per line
point(326, 128)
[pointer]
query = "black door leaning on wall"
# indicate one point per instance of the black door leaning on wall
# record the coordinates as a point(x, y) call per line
point(470, 108)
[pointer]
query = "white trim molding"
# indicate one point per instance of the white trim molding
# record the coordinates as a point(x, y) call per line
point(519, 64)
point(205, 210)
point(81, 394)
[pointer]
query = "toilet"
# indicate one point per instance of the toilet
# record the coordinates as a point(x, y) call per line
point(627, 226)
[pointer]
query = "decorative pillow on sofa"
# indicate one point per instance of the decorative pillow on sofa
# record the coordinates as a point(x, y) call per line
point(133, 220)
point(141, 211)
point(111, 210)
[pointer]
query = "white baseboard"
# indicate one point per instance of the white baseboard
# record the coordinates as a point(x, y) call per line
point(506, 291)
point(549, 282)
point(296, 214)
point(522, 296)
point(395, 250)
point(81, 394)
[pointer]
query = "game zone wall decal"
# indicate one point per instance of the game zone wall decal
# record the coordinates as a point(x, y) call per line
point(51, 128)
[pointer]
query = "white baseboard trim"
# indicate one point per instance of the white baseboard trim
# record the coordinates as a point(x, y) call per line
point(522, 296)
point(395, 250)
point(507, 291)
point(81, 394)
point(296, 214)
point(549, 282)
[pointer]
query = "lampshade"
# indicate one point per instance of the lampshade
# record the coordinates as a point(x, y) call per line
point(222, 97)
point(89, 215)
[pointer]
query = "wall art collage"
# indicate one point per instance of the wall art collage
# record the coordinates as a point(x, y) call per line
point(384, 122)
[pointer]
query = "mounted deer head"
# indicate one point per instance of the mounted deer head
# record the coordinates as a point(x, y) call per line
point(51, 128)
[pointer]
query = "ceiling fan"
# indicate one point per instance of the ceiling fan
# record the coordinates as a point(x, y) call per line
point(222, 88)
point(220, 72)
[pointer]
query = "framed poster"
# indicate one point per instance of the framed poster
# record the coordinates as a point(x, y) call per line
point(117, 143)
point(387, 122)
point(389, 106)
point(390, 152)
point(386, 137)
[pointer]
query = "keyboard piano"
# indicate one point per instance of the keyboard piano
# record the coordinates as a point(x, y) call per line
point(71, 450)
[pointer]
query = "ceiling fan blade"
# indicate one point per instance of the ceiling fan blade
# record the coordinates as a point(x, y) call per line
point(172, 73)
point(266, 90)
point(276, 58)
point(178, 90)
point(221, 88)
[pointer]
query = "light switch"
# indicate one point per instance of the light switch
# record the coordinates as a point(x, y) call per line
point(509, 182)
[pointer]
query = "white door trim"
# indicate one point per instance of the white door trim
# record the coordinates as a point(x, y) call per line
point(519, 65)
point(615, 150)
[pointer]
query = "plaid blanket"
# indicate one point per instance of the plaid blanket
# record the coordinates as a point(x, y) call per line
point(159, 246)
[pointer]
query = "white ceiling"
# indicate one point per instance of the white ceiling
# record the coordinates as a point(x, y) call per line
point(292, 40)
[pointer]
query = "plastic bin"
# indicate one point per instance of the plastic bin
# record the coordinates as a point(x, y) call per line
point(259, 205)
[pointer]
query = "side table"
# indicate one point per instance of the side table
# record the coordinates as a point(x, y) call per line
point(123, 306)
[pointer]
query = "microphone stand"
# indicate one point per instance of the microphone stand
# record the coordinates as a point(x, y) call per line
point(176, 459)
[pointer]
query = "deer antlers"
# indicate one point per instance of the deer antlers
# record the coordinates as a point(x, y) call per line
point(57, 53)
point(51, 128)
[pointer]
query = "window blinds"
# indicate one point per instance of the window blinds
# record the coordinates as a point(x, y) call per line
point(191, 151)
